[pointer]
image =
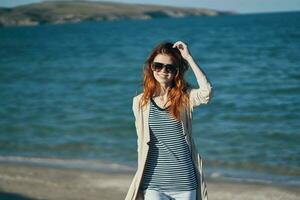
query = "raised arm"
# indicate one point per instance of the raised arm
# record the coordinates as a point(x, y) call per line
point(203, 94)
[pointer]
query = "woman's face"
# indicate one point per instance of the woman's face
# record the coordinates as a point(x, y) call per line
point(163, 76)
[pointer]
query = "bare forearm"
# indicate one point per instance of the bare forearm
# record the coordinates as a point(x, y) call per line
point(200, 76)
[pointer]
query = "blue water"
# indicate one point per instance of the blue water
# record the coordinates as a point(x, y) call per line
point(66, 91)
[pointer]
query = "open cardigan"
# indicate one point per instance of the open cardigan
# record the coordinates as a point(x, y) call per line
point(197, 96)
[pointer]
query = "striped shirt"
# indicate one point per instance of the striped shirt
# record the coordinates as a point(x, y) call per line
point(169, 165)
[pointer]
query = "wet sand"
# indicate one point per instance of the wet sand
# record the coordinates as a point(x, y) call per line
point(25, 182)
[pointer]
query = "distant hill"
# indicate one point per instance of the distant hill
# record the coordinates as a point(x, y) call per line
point(57, 12)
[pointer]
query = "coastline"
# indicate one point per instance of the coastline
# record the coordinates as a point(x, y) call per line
point(48, 182)
point(54, 12)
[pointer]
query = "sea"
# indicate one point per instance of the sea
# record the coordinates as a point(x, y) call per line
point(66, 93)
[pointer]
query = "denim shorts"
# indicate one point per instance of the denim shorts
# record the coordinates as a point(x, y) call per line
point(150, 194)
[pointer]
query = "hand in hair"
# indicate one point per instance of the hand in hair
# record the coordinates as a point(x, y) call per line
point(182, 47)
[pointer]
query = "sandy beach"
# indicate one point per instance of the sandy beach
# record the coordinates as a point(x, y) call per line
point(25, 182)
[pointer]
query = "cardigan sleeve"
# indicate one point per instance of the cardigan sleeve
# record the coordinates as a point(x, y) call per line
point(134, 109)
point(201, 95)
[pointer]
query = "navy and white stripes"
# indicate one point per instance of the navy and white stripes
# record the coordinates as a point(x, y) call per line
point(169, 166)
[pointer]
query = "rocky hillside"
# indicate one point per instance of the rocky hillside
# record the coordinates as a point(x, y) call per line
point(57, 12)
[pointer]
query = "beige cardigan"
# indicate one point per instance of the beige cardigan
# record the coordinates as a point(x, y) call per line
point(197, 96)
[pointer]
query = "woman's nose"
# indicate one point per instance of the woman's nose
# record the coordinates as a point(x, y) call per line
point(164, 69)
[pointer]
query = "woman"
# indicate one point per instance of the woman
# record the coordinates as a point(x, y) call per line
point(169, 166)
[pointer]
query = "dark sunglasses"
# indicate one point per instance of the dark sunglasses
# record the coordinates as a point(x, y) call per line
point(157, 66)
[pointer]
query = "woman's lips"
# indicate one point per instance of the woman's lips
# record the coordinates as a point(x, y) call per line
point(163, 76)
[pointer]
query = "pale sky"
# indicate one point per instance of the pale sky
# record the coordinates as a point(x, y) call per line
point(241, 6)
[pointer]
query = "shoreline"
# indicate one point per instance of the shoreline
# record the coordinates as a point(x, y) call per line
point(48, 12)
point(107, 166)
point(42, 182)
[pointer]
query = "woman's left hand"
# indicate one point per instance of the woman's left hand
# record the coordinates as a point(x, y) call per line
point(182, 47)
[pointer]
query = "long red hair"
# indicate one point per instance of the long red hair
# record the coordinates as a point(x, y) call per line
point(177, 95)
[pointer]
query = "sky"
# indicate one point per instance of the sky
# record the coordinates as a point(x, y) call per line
point(240, 6)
